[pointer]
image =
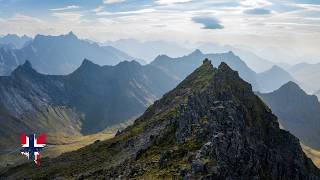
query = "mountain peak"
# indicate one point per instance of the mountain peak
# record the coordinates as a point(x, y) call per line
point(133, 62)
point(27, 64)
point(291, 92)
point(87, 65)
point(231, 53)
point(87, 62)
point(196, 52)
point(291, 84)
point(224, 68)
point(206, 61)
point(129, 65)
point(71, 35)
point(25, 68)
point(39, 38)
point(291, 88)
point(276, 68)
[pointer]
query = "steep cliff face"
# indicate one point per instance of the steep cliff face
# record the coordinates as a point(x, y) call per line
point(210, 126)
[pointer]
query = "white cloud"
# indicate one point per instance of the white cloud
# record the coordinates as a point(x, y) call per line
point(141, 11)
point(20, 18)
point(311, 7)
point(98, 9)
point(66, 8)
point(255, 3)
point(22, 24)
point(112, 1)
point(168, 2)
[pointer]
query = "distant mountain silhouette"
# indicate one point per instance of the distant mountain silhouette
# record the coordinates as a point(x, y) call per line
point(307, 75)
point(14, 40)
point(148, 50)
point(59, 54)
point(298, 112)
point(273, 79)
point(182, 66)
point(256, 63)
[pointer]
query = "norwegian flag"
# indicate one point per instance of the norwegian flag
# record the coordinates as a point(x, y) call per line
point(31, 146)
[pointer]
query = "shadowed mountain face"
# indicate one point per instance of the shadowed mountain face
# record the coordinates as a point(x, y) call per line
point(298, 112)
point(264, 82)
point(211, 126)
point(59, 54)
point(86, 101)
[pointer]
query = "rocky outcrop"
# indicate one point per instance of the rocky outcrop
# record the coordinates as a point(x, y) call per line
point(211, 126)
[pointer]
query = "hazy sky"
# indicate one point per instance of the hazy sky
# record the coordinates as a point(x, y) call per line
point(289, 25)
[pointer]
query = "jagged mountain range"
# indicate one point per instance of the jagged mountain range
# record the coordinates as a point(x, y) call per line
point(14, 41)
point(59, 54)
point(264, 82)
point(256, 63)
point(211, 126)
point(86, 101)
point(148, 50)
point(297, 111)
point(93, 97)
point(63, 54)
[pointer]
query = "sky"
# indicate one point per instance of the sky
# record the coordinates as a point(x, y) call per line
point(266, 26)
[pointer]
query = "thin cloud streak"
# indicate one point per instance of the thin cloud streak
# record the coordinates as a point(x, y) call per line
point(66, 8)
